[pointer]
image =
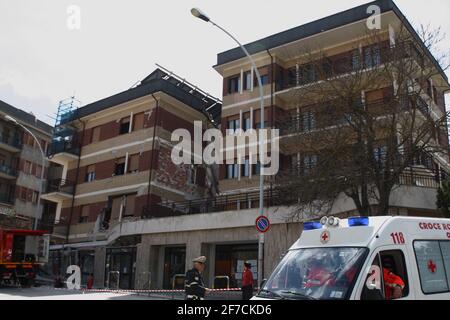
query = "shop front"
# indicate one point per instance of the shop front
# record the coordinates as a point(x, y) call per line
point(174, 267)
point(120, 268)
point(229, 263)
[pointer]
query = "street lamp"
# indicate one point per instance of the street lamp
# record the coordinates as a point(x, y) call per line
point(201, 15)
point(36, 215)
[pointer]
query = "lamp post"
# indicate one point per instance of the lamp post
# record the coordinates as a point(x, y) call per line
point(36, 215)
point(199, 14)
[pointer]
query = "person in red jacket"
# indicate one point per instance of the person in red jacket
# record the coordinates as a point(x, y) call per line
point(247, 282)
point(393, 284)
point(90, 282)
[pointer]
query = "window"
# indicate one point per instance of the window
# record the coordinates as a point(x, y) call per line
point(393, 262)
point(38, 171)
point(124, 125)
point(133, 163)
point(233, 124)
point(264, 80)
point(445, 249)
point(247, 124)
point(318, 273)
point(232, 171)
point(292, 76)
point(430, 262)
point(245, 170)
point(356, 60)
point(95, 134)
point(138, 121)
point(234, 84)
point(6, 135)
point(28, 166)
point(191, 175)
point(392, 277)
point(256, 169)
point(307, 74)
point(309, 163)
point(90, 173)
point(258, 125)
point(380, 155)
point(116, 207)
point(84, 215)
point(120, 167)
point(372, 56)
point(248, 80)
point(35, 197)
point(23, 194)
point(128, 211)
point(370, 291)
point(309, 121)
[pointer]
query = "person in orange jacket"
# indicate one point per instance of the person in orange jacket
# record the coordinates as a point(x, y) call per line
point(393, 284)
point(247, 282)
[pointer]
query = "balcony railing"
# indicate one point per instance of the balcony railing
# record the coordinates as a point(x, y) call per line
point(423, 178)
point(306, 123)
point(60, 185)
point(8, 170)
point(11, 141)
point(234, 202)
point(63, 146)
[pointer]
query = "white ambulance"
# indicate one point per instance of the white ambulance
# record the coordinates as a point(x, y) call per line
point(365, 258)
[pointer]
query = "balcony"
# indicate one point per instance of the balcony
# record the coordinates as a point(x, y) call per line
point(59, 190)
point(11, 144)
point(6, 199)
point(61, 152)
point(423, 178)
point(242, 201)
point(8, 173)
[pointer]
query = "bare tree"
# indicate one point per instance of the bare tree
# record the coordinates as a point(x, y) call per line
point(360, 121)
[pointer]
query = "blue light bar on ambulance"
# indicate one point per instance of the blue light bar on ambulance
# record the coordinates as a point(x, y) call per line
point(358, 222)
point(312, 226)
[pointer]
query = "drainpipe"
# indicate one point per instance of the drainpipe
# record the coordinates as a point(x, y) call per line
point(80, 145)
point(272, 124)
point(152, 160)
point(271, 87)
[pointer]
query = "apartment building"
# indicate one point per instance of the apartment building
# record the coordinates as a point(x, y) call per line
point(179, 224)
point(21, 168)
point(114, 156)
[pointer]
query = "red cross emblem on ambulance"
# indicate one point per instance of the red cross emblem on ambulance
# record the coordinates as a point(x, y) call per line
point(325, 237)
point(431, 266)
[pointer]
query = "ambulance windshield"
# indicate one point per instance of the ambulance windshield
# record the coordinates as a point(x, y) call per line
point(318, 273)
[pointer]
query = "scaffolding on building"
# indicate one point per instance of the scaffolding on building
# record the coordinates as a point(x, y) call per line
point(63, 139)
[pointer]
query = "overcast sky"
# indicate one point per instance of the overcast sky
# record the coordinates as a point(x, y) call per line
point(42, 61)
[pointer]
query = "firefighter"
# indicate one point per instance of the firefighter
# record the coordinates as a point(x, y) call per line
point(194, 286)
point(393, 284)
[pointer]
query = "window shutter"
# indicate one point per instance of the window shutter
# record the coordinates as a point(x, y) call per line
point(138, 121)
point(115, 211)
point(130, 204)
point(133, 163)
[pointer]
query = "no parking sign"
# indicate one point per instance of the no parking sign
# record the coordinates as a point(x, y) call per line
point(262, 224)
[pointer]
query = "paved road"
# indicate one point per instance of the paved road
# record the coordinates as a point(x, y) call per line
point(43, 293)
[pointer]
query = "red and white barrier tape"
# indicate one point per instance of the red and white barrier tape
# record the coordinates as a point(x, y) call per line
point(119, 291)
